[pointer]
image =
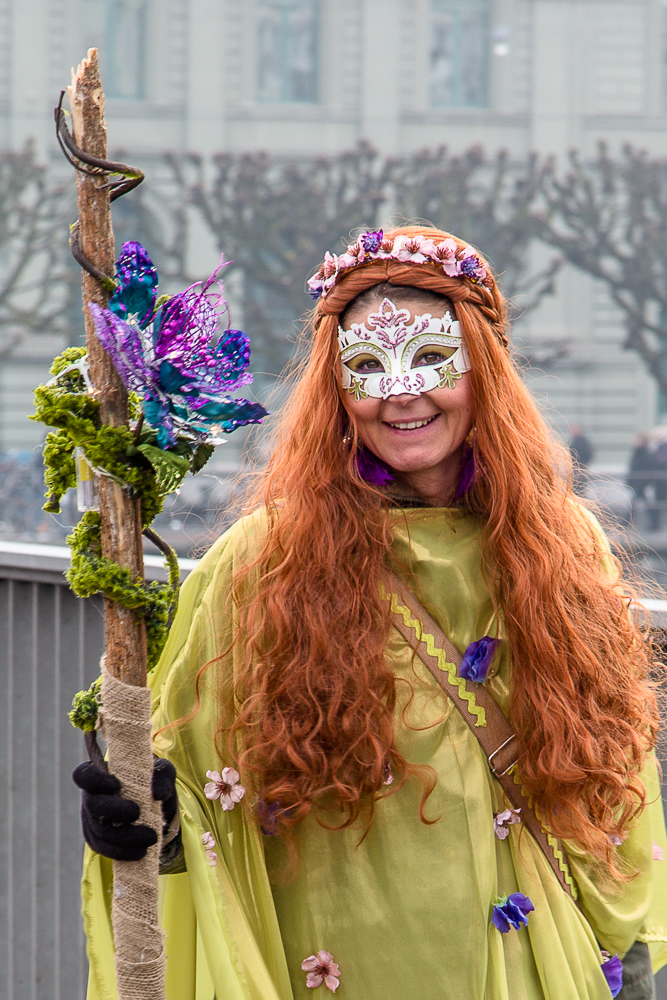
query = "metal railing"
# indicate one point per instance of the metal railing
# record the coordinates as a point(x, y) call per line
point(50, 647)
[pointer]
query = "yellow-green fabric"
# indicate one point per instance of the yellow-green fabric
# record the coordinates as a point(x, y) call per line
point(406, 912)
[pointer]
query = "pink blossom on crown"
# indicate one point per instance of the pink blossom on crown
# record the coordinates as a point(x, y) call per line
point(446, 250)
point(315, 286)
point(330, 264)
point(347, 260)
point(225, 787)
point(321, 968)
point(456, 261)
point(412, 249)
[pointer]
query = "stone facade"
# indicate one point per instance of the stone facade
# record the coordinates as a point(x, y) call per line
point(311, 76)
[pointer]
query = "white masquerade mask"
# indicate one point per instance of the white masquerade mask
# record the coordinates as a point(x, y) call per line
point(395, 356)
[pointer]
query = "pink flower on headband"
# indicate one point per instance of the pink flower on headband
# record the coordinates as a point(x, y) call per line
point(412, 249)
point(446, 250)
point(347, 260)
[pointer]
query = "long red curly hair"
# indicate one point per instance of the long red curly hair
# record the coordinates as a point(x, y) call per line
point(315, 723)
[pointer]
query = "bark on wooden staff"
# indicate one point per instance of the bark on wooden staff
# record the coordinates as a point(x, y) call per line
point(125, 698)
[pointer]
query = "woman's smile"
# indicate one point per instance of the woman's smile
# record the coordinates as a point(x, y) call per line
point(416, 424)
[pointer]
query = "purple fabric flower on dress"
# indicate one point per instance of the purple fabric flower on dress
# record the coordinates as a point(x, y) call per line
point(511, 912)
point(503, 820)
point(372, 240)
point(477, 659)
point(372, 469)
point(321, 968)
point(175, 359)
point(267, 814)
point(225, 787)
point(612, 969)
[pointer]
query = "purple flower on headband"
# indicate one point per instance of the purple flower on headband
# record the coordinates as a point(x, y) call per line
point(511, 912)
point(469, 266)
point(372, 240)
point(612, 970)
point(477, 659)
point(372, 469)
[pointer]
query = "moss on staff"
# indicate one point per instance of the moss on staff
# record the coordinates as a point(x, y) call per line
point(146, 471)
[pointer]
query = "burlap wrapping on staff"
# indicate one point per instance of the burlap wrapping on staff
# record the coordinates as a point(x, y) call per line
point(127, 725)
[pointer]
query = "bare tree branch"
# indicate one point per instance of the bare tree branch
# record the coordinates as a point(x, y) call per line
point(36, 284)
point(609, 219)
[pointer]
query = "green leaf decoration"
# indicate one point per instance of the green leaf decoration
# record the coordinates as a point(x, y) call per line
point(170, 469)
point(201, 457)
point(85, 706)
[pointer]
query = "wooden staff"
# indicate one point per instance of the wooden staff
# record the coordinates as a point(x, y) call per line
point(139, 952)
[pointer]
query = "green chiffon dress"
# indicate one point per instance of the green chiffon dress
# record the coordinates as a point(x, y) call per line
point(405, 912)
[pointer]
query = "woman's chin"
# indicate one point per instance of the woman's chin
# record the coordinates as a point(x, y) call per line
point(408, 461)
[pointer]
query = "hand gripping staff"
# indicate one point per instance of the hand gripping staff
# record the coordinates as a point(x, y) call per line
point(140, 963)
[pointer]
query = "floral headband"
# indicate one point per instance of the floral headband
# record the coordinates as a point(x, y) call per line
point(456, 261)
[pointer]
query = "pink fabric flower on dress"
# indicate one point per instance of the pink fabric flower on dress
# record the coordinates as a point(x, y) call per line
point(225, 787)
point(503, 820)
point(657, 853)
point(321, 968)
point(209, 843)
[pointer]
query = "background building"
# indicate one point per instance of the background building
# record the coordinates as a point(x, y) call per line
point(302, 77)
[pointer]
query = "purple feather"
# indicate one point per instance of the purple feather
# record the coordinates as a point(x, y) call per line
point(467, 473)
point(372, 469)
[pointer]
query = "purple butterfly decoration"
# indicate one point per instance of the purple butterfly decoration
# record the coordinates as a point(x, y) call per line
point(170, 356)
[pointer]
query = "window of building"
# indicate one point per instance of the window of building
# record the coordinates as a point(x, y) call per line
point(460, 42)
point(287, 50)
point(118, 29)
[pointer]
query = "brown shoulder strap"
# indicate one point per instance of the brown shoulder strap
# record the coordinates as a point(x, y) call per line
point(481, 713)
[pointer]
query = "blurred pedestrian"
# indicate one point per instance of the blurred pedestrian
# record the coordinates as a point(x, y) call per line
point(658, 480)
point(640, 469)
point(581, 453)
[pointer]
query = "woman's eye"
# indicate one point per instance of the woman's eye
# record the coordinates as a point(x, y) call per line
point(432, 356)
point(365, 364)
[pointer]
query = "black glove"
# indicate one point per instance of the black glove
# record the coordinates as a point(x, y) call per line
point(109, 821)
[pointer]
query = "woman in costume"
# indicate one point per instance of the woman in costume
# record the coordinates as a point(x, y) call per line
point(407, 708)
